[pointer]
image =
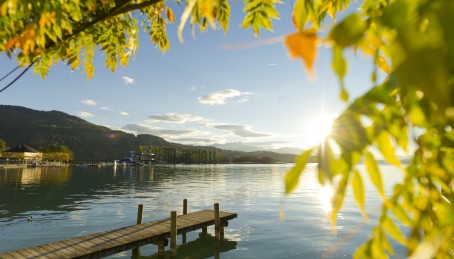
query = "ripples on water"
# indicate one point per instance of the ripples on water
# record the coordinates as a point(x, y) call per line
point(74, 201)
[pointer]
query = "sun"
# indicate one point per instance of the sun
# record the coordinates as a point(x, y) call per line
point(319, 128)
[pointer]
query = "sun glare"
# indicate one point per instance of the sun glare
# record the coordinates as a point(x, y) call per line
point(319, 128)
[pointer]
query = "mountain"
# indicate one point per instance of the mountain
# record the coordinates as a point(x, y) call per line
point(237, 146)
point(248, 147)
point(90, 142)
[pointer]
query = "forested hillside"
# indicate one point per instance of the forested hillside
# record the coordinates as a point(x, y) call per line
point(90, 142)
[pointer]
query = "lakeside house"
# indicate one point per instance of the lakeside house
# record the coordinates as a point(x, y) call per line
point(21, 154)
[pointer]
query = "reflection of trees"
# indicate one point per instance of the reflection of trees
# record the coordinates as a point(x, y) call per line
point(26, 177)
point(203, 247)
point(62, 189)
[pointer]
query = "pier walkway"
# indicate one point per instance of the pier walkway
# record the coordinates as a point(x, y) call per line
point(114, 241)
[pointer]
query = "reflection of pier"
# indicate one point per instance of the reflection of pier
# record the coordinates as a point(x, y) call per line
point(203, 247)
point(114, 241)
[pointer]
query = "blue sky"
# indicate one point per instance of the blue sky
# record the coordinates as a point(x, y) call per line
point(207, 90)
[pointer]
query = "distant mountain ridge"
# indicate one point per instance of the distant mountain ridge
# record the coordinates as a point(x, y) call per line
point(88, 141)
point(249, 147)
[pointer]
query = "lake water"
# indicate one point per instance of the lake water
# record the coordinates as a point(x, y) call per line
point(74, 201)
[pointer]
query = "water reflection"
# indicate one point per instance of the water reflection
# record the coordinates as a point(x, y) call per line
point(75, 201)
point(204, 246)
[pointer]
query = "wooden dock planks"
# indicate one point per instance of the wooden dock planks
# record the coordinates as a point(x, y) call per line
point(114, 241)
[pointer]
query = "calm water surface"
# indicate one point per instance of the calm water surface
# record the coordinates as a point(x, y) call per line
point(74, 201)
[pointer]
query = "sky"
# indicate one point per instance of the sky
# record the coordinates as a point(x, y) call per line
point(214, 88)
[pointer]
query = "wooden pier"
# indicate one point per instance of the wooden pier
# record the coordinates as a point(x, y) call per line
point(114, 241)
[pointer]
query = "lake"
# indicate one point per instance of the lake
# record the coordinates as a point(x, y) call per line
point(74, 201)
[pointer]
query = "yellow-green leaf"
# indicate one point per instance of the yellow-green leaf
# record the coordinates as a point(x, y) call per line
point(358, 191)
point(387, 149)
point(393, 230)
point(374, 173)
point(292, 177)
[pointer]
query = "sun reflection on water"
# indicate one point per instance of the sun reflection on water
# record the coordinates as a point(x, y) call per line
point(325, 194)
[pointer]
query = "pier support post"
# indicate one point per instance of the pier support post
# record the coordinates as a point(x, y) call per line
point(173, 233)
point(161, 246)
point(185, 206)
point(217, 222)
point(185, 211)
point(139, 214)
point(136, 251)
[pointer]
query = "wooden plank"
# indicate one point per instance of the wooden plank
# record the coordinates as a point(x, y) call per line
point(12, 254)
point(42, 253)
point(25, 253)
point(46, 252)
point(55, 251)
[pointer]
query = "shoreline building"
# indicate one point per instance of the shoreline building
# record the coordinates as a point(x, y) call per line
point(21, 154)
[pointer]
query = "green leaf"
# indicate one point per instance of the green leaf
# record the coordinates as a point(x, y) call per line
point(358, 191)
point(292, 177)
point(374, 173)
point(339, 64)
point(348, 32)
point(393, 230)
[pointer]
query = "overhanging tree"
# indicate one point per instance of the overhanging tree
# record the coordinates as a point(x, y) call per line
point(412, 42)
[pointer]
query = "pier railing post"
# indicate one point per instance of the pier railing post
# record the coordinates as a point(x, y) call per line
point(173, 233)
point(217, 222)
point(185, 211)
point(139, 214)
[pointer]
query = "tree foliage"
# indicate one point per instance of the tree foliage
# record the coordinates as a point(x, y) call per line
point(3, 145)
point(57, 152)
point(411, 42)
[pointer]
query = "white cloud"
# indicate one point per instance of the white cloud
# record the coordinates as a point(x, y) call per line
point(272, 64)
point(124, 113)
point(128, 80)
point(156, 131)
point(105, 108)
point(174, 118)
point(85, 114)
point(220, 96)
point(241, 130)
point(88, 102)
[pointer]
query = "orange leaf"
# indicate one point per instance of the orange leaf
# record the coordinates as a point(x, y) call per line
point(169, 14)
point(12, 42)
point(303, 45)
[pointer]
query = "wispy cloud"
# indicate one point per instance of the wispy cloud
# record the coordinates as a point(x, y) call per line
point(241, 130)
point(105, 108)
point(88, 102)
point(156, 131)
point(85, 114)
point(195, 141)
point(128, 80)
point(123, 113)
point(174, 118)
point(219, 97)
point(272, 64)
